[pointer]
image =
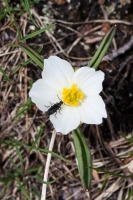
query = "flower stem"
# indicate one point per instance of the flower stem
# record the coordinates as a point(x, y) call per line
point(45, 178)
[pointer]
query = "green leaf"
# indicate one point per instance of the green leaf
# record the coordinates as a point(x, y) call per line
point(38, 136)
point(83, 157)
point(32, 54)
point(130, 195)
point(41, 181)
point(2, 14)
point(25, 107)
point(5, 179)
point(27, 8)
point(112, 173)
point(20, 156)
point(15, 166)
point(35, 191)
point(15, 71)
point(4, 74)
point(7, 6)
point(15, 143)
point(7, 186)
point(30, 60)
point(23, 190)
point(19, 33)
point(37, 32)
point(95, 61)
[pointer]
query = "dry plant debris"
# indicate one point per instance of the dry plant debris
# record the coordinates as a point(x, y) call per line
point(79, 28)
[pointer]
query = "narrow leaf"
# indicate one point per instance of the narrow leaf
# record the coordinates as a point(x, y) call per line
point(7, 186)
point(2, 14)
point(15, 143)
point(27, 7)
point(38, 136)
point(95, 61)
point(35, 192)
point(19, 33)
point(24, 191)
point(20, 156)
point(24, 108)
point(130, 195)
point(83, 157)
point(41, 181)
point(15, 71)
point(30, 60)
point(7, 6)
point(35, 169)
point(4, 74)
point(32, 54)
point(37, 32)
point(15, 166)
point(112, 173)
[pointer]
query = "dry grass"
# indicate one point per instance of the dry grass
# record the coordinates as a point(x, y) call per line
point(111, 143)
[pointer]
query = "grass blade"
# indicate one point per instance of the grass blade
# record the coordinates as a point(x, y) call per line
point(4, 74)
point(130, 195)
point(38, 136)
point(20, 156)
point(95, 61)
point(37, 32)
point(15, 143)
point(25, 107)
point(113, 174)
point(15, 166)
point(2, 14)
point(84, 158)
point(7, 6)
point(27, 7)
point(32, 54)
point(23, 190)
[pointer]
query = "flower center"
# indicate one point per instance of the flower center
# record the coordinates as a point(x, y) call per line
point(72, 96)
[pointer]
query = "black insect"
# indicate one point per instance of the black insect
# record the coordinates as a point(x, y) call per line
point(54, 108)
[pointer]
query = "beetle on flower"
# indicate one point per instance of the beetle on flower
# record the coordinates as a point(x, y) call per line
point(77, 91)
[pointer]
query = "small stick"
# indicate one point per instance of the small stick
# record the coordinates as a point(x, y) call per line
point(45, 178)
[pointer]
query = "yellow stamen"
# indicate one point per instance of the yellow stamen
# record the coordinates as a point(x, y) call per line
point(72, 96)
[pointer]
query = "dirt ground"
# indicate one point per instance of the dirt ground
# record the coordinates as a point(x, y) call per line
point(79, 28)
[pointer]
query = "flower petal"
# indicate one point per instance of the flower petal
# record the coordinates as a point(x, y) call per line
point(43, 95)
point(89, 80)
point(92, 110)
point(58, 73)
point(66, 120)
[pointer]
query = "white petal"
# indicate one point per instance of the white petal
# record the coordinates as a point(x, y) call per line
point(58, 73)
point(43, 95)
point(66, 120)
point(92, 110)
point(89, 80)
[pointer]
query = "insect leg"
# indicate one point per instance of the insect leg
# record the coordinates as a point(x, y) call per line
point(59, 110)
point(51, 104)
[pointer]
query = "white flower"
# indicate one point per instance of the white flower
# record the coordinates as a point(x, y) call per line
point(78, 91)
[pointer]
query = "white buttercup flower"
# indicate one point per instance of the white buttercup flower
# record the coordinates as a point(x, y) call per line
point(77, 91)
